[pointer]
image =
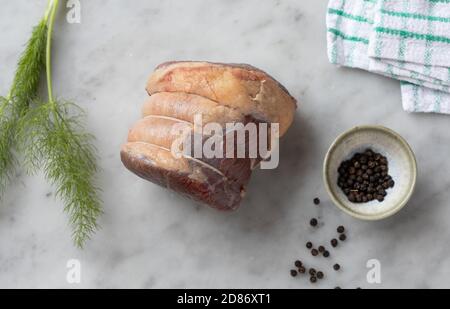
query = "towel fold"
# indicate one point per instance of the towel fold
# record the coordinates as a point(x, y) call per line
point(408, 40)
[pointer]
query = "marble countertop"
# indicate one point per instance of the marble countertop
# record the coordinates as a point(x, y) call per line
point(152, 238)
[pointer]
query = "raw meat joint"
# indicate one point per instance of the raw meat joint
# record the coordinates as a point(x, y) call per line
point(221, 93)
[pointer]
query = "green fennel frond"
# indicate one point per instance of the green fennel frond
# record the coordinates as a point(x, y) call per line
point(50, 134)
point(7, 159)
point(57, 144)
point(23, 90)
point(29, 70)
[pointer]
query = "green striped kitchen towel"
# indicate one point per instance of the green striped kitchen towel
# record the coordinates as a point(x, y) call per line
point(408, 40)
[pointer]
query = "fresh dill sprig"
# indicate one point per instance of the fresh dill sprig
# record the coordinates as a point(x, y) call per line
point(57, 144)
point(23, 90)
point(60, 146)
point(51, 134)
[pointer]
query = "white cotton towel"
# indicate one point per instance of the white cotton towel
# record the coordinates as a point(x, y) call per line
point(408, 40)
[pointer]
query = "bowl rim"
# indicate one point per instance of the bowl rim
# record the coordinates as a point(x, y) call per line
point(338, 203)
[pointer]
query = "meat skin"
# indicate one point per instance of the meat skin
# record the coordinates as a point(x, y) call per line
point(193, 179)
point(243, 87)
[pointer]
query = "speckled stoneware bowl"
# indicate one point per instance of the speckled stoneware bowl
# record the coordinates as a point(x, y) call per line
point(402, 168)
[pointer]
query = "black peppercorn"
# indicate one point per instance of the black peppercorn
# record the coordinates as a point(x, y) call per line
point(320, 275)
point(313, 222)
point(313, 279)
point(317, 201)
point(293, 273)
point(298, 264)
point(309, 245)
point(365, 173)
point(312, 272)
point(314, 252)
point(321, 249)
point(336, 267)
point(326, 254)
point(341, 229)
point(302, 270)
point(334, 243)
point(343, 237)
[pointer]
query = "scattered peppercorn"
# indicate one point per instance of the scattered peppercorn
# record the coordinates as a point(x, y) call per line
point(334, 243)
point(320, 275)
point(365, 177)
point(314, 274)
point(317, 201)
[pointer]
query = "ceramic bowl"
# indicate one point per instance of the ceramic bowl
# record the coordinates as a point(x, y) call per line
point(402, 168)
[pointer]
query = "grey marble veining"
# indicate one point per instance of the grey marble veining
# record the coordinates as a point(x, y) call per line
point(151, 238)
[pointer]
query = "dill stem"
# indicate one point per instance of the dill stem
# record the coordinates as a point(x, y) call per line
point(49, 8)
point(50, 15)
